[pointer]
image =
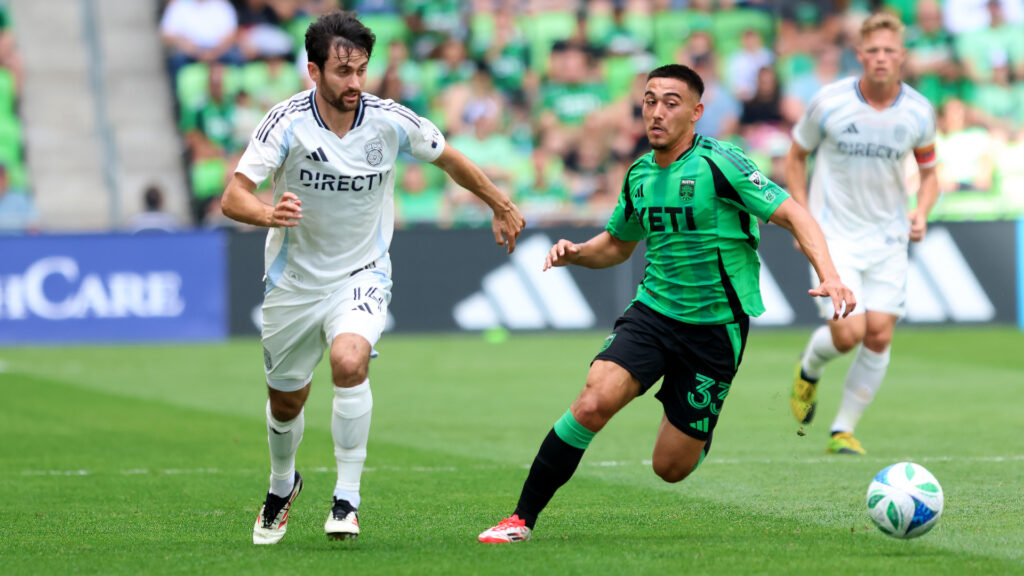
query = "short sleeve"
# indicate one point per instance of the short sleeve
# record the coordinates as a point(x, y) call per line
point(809, 130)
point(420, 138)
point(740, 183)
point(624, 223)
point(268, 147)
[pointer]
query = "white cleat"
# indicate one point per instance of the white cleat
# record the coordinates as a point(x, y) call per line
point(342, 522)
point(512, 529)
point(272, 521)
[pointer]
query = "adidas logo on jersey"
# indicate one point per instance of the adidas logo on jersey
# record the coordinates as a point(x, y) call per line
point(318, 155)
point(851, 129)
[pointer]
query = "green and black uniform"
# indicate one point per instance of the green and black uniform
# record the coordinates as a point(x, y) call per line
point(689, 319)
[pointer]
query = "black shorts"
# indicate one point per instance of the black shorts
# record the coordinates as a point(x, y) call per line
point(698, 363)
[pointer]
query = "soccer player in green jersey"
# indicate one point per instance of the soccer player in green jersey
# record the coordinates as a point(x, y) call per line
point(694, 200)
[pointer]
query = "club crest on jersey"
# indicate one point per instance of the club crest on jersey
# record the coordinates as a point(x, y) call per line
point(686, 188)
point(374, 152)
point(757, 180)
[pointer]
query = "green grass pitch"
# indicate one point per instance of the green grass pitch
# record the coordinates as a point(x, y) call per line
point(153, 459)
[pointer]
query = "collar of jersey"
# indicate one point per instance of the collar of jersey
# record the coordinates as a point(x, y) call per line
point(693, 146)
point(860, 95)
point(356, 120)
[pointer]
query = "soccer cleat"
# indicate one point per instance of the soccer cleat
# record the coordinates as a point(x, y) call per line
point(342, 522)
point(512, 529)
point(803, 400)
point(272, 521)
point(844, 443)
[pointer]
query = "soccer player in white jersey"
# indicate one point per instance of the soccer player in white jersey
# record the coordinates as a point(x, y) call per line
point(331, 151)
point(862, 130)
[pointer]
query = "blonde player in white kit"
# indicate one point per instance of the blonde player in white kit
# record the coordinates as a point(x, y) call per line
point(331, 151)
point(862, 130)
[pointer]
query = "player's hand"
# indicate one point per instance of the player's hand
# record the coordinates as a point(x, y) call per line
point(843, 300)
point(918, 226)
point(506, 224)
point(287, 212)
point(561, 254)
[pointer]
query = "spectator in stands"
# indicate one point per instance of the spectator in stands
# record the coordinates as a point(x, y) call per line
point(965, 151)
point(466, 101)
point(10, 59)
point(200, 31)
point(763, 106)
point(746, 64)
point(508, 55)
point(803, 87)
point(977, 48)
point(931, 61)
point(964, 16)
point(722, 111)
point(17, 211)
point(432, 23)
point(213, 118)
point(260, 30)
point(401, 80)
point(153, 218)
point(571, 95)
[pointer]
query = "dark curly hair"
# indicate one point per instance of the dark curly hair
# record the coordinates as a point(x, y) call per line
point(337, 30)
point(680, 72)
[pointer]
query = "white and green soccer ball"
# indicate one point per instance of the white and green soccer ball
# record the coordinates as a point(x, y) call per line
point(905, 500)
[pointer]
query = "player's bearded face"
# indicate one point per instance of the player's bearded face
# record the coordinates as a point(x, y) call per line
point(341, 81)
point(670, 110)
point(882, 53)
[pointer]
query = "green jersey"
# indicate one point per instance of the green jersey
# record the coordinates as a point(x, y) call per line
point(695, 214)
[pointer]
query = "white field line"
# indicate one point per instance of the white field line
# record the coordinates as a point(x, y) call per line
point(601, 464)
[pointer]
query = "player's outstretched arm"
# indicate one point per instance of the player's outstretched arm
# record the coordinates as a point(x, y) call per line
point(808, 234)
point(507, 221)
point(240, 204)
point(601, 251)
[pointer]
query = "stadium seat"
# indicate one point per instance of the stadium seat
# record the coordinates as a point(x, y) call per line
point(8, 92)
point(618, 75)
point(208, 177)
point(672, 28)
point(192, 85)
point(542, 31)
point(10, 139)
point(727, 27)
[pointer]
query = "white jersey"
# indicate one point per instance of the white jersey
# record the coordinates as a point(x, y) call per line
point(346, 185)
point(858, 189)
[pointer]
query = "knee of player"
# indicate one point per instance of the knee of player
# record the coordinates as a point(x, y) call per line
point(591, 411)
point(672, 471)
point(878, 341)
point(348, 371)
point(845, 342)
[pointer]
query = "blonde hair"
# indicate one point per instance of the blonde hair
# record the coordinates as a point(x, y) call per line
point(884, 20)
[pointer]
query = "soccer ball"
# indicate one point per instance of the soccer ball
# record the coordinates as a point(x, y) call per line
point(905, 500)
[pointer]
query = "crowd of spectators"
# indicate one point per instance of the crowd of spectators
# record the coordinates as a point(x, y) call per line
point(17, 209)
point(545, 94)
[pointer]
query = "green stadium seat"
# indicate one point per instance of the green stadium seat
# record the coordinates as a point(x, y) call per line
point(542, 31)
point(296, 28)
point(481, 33)
point(727, 28)
point(618, 75)
point(193, 84)
point(10, 139)
point(208, 177)
point(672, 28)
point(8, 92)
point(254, 77)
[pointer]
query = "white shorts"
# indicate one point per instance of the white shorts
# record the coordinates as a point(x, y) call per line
point(878, 278)
point(298, 327)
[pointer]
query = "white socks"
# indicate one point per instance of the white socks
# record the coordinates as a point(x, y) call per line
point(862, 382)
point(350, 427)
point(284, 438)
point(819, 352)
